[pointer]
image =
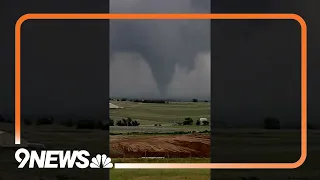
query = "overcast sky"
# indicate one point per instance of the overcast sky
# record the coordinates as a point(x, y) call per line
point(170, 56)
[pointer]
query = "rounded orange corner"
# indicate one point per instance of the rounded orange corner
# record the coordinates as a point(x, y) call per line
point(21, 20)
point(301, 160)
point(300, 20)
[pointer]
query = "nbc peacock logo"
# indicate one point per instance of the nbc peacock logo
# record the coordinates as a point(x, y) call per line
point(101, 161)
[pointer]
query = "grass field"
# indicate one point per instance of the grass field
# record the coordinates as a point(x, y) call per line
point(166, 114)
point(174, 174)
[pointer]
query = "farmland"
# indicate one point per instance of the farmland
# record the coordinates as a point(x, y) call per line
point(174, 174)
point(245, 145)
point(165, 114)
point(168, 115)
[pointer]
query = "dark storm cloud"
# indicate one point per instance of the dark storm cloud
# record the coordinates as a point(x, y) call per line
point(163, 44)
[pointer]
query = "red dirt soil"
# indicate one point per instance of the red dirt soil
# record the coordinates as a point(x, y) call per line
point(169, 146)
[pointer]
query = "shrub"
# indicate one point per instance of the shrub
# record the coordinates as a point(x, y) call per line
point(205, 123)
point(124, 122)
point(111, 122)
point(188, 121)
point(271, 123)
point(127, 122)
point(135, 123)
point(198, 123)
point(119, 123)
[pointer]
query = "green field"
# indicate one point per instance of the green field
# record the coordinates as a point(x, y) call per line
point(174, 174)
point(152, 113)
point(149, 114)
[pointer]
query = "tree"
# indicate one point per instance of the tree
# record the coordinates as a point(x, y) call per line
point(271, 123)
point(198, 123)
point(129, 121)
point(111, 122)
point(119, 123)
point(194, 100)
point(205, 123)
point(135, 123)
point(124, 122)
point(188, 121)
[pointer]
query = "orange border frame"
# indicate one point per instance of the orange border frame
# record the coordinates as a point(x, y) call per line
point(295, 17)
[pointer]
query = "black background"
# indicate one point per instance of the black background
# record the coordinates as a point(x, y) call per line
point(65, 73)
point(256, 74)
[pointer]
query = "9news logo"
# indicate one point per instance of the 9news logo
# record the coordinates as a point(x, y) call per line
point(60, 159)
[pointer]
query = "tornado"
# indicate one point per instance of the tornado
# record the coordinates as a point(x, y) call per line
point(162, 43)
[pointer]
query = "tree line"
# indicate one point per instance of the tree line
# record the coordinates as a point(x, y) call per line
point(268, 122)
